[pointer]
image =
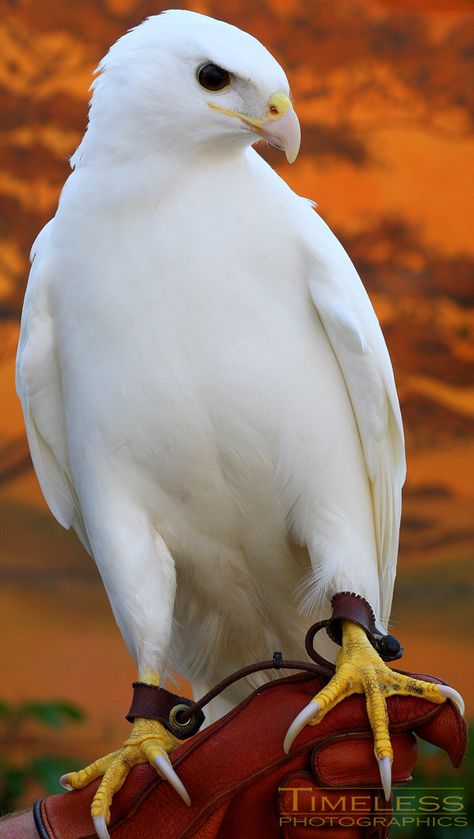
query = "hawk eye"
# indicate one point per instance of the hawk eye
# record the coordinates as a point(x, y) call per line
point(213, 77)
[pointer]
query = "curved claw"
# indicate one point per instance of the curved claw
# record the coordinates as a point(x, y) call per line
point(454, 696)
point(299, 723)
point(64, 783)
point(166, 769)
point(385, 769)
point(100, 827)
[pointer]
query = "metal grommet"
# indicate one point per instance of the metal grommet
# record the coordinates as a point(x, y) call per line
point(181, 726)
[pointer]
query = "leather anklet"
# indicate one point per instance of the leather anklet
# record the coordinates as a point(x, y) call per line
point(349, 606)
point(155, 703)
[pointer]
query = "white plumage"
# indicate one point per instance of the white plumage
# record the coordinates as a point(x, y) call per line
point(208, 396)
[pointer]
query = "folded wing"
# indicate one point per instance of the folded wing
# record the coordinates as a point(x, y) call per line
point(38, 383)
point(356, 338)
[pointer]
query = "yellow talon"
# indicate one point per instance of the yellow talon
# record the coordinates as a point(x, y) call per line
point(77, 780)
point(149, 742)
point(359, 669)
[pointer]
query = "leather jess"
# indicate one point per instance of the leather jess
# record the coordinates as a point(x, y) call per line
point(242, 784)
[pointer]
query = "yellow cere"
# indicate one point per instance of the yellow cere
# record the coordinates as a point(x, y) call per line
point(278, 105)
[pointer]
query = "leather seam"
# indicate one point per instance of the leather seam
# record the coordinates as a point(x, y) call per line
point(343, 780)
point(38, 820)
point(46, 822)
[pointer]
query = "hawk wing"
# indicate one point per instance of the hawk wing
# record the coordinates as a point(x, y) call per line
point(358, 344)
point(38, 384)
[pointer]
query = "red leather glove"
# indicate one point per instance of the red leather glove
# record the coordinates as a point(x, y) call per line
point(242, 784)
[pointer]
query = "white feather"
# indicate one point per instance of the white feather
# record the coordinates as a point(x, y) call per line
point(358, 344)
point(38, 383)
point(208, 397)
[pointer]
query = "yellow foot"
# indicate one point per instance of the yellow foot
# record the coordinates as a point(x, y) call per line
point(359, 669)
point(150, 742)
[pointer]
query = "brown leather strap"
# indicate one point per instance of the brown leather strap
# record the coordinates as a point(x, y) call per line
point(347, 605)
point(154, 703)
point(276, 663)
point(353, 607)
point(183, 717)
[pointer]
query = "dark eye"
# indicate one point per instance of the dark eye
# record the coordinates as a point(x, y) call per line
point(213, 77)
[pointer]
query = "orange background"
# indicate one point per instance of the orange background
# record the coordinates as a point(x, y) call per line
point(382, 90)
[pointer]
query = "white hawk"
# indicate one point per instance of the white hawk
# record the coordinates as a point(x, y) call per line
point(208, 397)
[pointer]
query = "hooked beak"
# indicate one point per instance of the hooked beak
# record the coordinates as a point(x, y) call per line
point(281, 128)
point(284, 134)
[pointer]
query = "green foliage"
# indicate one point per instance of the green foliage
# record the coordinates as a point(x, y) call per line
point(53, 714)
point(42, 770)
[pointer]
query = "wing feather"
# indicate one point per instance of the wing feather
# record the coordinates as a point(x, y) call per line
point(38, 384)
point(356, 338)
